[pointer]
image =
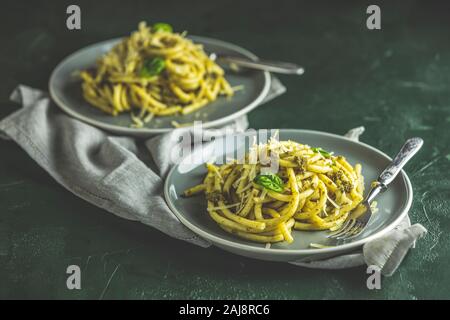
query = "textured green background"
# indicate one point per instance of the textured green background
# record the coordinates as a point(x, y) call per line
point(395, 82)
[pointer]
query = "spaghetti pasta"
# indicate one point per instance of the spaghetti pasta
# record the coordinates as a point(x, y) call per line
point(312, 190)
point(160, 72)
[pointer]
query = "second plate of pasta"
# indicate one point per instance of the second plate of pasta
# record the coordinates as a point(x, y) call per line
point(282, 213)
point(155, 80)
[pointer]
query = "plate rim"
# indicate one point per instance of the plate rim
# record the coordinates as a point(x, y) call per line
point(296, 252)
point(149, 131)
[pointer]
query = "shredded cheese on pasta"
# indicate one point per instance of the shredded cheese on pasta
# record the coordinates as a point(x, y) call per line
point(318, 193)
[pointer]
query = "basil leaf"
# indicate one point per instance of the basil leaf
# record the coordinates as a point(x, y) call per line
point(325, 153)
point(270, 182)
point(160, 26)
point(152, 67)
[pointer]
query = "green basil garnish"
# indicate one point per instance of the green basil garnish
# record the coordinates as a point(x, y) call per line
point(270, 182)
point(152, 67)
point(325, 153)
point(161, 26)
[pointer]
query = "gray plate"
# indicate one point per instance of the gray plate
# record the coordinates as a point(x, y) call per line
point(393, 204)
point(65, 89)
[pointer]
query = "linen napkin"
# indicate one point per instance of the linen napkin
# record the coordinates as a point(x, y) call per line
point(112, 172)
point(116, 173)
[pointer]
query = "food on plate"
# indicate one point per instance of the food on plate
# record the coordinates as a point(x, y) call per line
point(312, 190)
point(157, 72)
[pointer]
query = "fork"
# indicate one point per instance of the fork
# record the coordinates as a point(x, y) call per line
point(265, 65)
point(359, 218)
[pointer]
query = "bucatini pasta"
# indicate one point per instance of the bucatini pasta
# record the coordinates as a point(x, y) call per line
point(156, 71)
point(312, 190)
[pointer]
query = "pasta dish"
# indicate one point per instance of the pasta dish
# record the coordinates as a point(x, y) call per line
point(312, 190)
point(156, 71)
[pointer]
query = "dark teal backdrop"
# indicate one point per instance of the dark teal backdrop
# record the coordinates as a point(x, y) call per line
point(394, 81)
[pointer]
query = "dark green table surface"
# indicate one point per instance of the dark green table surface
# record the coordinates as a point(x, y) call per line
point(394, 81)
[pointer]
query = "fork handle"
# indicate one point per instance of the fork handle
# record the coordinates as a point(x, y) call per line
point(408, 150)
point(266, 65)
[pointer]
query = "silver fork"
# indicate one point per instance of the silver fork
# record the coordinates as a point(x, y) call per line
point(265, 65)
point(356, 223)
